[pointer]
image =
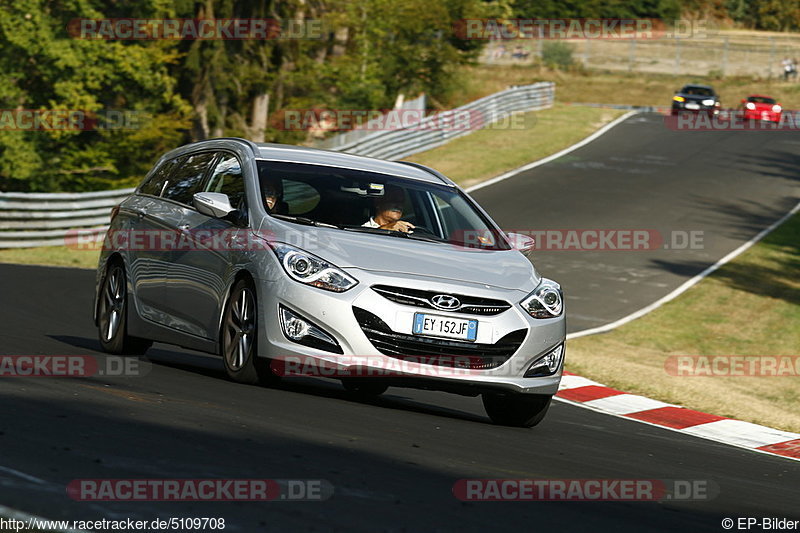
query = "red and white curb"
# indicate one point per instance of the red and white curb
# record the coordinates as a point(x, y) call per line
point(587, 393)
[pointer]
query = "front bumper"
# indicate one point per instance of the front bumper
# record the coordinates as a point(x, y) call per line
point(335, 314)
point(766, 116)
point(680, 107)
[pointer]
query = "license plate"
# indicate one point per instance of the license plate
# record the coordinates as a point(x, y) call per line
point(692, 106)
point(445, 326)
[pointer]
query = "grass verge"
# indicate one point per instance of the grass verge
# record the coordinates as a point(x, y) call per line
point(749, 307)
point(528, 137)
point(52, 256)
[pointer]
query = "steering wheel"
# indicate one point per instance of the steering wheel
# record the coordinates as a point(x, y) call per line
point(422, 229)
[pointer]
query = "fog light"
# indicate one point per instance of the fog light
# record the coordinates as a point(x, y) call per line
point(548, 364)
point(303, 331)
point(295, 328)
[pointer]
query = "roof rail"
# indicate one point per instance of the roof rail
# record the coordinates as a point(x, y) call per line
point(253, 146)
point(429, 170)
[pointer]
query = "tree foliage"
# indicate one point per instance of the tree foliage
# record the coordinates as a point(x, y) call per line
point(369, 52)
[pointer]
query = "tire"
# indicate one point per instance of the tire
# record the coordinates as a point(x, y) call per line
point(514, 409)
point(112, 315)
point(365, 387)
point(239, 336)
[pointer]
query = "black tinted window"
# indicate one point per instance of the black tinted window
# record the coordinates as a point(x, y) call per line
point(227, 179)
point(187, 178)
point(155, 183)
point(761, 100)
point(697, 91)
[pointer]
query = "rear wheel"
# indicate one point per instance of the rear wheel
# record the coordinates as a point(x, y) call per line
point(112, 314)
point(514, 409)
point(239, 335)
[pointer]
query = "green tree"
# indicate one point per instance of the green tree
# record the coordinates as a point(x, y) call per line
point(43, 68)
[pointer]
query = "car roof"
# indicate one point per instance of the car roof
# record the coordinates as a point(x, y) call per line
point(315, 156)
point(694, 86)
point(759, 96)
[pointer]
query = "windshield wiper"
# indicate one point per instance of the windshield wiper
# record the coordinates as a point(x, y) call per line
point(307, 221)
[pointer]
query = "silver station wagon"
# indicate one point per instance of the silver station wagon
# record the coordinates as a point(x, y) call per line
point(291, 261)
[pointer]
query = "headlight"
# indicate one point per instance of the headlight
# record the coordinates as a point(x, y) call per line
point(679, 98)
point(709, 101)
point(776, 108)
point(312, 270)
point(750, 105)
point(546, 301)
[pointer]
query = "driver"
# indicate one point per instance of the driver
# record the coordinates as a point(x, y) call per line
point(273, 197)
point(389, 211)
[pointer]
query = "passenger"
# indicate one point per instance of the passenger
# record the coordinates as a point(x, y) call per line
point(389, 211)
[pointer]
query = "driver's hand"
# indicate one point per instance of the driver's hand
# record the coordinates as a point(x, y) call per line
point(400, 225)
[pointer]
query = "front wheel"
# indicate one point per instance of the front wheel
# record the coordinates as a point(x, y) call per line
point(112, 315)
point(238, 337)
point(514, 409)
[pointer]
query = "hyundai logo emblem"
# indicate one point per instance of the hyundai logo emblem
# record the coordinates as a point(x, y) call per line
point(445, 301)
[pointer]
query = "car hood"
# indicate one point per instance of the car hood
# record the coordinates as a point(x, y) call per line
point(507, 269)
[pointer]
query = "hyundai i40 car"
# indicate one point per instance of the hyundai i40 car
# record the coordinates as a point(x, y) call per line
point(283, 258)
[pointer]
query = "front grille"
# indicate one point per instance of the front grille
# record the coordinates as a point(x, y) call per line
point(440, 352)
point(419, 298)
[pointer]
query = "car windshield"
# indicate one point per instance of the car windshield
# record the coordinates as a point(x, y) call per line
point(697, 91)
point(760, 99)
point(356, 200)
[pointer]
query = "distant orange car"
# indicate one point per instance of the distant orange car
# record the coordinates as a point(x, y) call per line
point(760, 107)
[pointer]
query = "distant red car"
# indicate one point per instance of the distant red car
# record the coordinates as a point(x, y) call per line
point(760, 107)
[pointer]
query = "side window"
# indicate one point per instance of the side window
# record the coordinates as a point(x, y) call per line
point(227, 178)
point(155, 183)
point(187, 178)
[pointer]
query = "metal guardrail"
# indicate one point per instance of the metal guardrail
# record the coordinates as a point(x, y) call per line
point(427, 134)
point(30, 220)
point(334, 142)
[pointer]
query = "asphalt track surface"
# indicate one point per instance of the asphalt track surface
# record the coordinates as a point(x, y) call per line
point(393, 462)
point(723, 186)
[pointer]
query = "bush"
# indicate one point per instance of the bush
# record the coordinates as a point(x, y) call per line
point(557, 54)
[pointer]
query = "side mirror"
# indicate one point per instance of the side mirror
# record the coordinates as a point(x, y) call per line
point(213, 204)
point(521, 242)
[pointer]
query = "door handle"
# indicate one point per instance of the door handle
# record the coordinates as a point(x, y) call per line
point(183, 227)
